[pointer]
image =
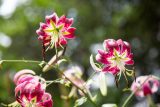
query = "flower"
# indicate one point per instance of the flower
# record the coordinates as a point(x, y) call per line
point(30, 90)
point(145, 85)
point(55, 31)
point(74, 73)
point(115, 56)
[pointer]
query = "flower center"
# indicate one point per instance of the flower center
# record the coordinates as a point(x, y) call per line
point(118, 59)
point(31, 103)
point(54, 31)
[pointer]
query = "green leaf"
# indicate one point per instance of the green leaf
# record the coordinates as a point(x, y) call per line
point(103, 84)
point(129, 73)
point(80, 101)
point(61, 61)
point(109, 105)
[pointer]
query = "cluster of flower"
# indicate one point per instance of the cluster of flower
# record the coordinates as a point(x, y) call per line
point(115, 56)
point(30, 89)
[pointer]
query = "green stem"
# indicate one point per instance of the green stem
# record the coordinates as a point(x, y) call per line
point(90, 78)
point(150, 101)
point(125, 78)
point(88, 97)
point(51, 82)
point(24, 61)
point(127, 100)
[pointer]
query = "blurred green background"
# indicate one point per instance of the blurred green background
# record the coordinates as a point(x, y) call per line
point(136, 21)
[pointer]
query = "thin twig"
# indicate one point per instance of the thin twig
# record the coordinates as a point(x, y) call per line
point(88, 97)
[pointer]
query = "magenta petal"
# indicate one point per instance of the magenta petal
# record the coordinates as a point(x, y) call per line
point(124, 46)
point(68, 22)
point(61, 20)
point(37, 92)
point(22, 72)
point(24, 79)
point(43, 25)
point(112, 70)
point(101, 59)
point(71, 29)
point(70, 36)
point(62, 41)
point(18, 89)
point(110, 44)
point(130, 55)
point(146, 89)
point(52, 17)
point(46, 101)
point(127, 45)
point(40, 31)
point(46, 42)
point(102, 52)
point(130, 62)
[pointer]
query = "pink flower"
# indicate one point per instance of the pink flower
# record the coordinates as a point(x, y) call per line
point(30, 90)
point(55, 31)
point(115, 56)
point(145, 85)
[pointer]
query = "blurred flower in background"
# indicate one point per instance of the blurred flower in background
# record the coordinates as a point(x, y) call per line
point(145, 85)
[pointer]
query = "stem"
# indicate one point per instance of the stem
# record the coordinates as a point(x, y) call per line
point(131, 95)
point(24, 61)
point(125, 78)
point(127, 100)
point(64, 92)
point(150, 101)
point(90, 78)
point(88, 97)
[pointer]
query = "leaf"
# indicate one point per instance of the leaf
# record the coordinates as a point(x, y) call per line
point(109, 105)
point(61, 61)
point(102, 84)
point(93, 64)
point(129, 73)
point(80, 101)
